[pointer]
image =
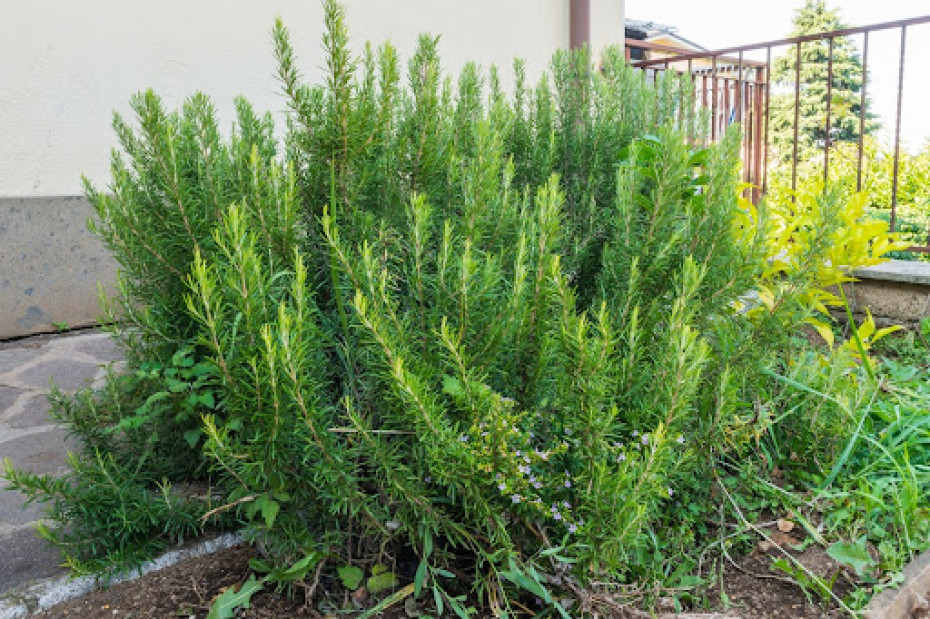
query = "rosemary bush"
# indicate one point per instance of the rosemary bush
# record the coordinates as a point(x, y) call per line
point(502, 334)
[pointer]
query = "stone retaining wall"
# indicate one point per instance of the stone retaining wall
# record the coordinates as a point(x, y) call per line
point(895, 292)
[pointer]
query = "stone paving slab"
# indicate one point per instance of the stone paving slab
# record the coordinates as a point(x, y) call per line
point(45, 451)
point(66, 374)
point(25, 558)
point(15, 514)
point(30, 438)
point(12, 358)
point(8, 396)
point(31, 411)
point(100, 346)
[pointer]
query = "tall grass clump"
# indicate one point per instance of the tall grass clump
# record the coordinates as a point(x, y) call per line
point(504, 340)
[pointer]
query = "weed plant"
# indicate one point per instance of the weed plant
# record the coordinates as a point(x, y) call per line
point(510, 341)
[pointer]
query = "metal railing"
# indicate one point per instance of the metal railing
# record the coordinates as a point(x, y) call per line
point(734, 87)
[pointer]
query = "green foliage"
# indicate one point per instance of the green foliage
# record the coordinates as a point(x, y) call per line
point(171, 182)
point(231, 600)
point(234, 598)
point(135, 486)
point(116, 519)
point(871, 435)
point(511, 336)
point(351, 576)
point(814, 239)
point(809, 583)
point(465, 331)
point(188, 392)
point(876, 181)
point(878, 173)
point(882, 497)
point(855, 555)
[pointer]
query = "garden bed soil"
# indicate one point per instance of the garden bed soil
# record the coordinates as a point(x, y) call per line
point(187, 588)
point(754, 589)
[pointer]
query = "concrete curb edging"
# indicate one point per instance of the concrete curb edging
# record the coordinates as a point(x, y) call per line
point(902, 602)
point(44, 594)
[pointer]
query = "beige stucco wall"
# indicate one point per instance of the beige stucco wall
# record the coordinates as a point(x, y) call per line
point(607, 23)
point(65, 66)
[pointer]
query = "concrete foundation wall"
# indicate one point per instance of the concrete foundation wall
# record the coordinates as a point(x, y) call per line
point(49, 265)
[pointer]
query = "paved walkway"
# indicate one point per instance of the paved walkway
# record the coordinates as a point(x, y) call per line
point(32, 441)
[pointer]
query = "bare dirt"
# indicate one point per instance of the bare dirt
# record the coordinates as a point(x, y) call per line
point(751, 588)
point(188, 588)
point(754, 588)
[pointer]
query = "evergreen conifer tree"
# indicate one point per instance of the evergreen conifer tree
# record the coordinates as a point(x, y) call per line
point(844, 95)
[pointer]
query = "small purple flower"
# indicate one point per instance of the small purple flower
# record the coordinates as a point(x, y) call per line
point(680, 440)
point(524, 469)
point(463, 439)
point(516, 498)
point(621, 457)
point(502, 486)
point(645, 439)
point(670, 492)
point(537, 484)
point(566, 505)
point(568, 431)
point(635, 433)
point(573, 528)
point(557, 516)
point(428, 479)
point(568, 483)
